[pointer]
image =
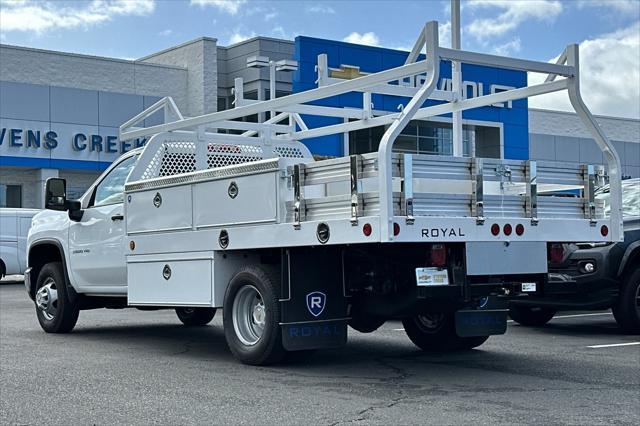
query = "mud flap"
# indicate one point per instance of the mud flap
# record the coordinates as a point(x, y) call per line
point(470, 323)
point(313, 304)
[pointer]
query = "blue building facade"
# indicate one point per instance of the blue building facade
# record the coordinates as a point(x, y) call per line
point(511, 119)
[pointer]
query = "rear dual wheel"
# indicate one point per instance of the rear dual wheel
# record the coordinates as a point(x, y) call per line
point(533, 316)
point(436, 332)
point(252, 315)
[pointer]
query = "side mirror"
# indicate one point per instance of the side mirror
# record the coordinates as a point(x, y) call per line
point(55, 194)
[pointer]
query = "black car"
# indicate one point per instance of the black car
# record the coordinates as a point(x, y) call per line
point(592, 276)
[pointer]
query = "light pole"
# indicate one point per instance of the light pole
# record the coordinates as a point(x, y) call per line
point(456, 75)
point(286, 65)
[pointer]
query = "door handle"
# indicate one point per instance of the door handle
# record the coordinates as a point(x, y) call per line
point(117, 217)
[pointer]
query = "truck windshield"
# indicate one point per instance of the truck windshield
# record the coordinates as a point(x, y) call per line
point(630, 199)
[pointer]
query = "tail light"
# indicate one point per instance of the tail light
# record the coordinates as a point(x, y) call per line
point(507, 229)
point(438, 255)
point(367, 229)
point(396, 229)
point(495, 229)
point(519, 229)
point(556, 253)
point(604, 230)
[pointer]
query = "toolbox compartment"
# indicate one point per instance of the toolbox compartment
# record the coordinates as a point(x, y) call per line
point(170, 279)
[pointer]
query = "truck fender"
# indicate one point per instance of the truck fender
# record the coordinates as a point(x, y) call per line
point(71, 292)
point(632, 249)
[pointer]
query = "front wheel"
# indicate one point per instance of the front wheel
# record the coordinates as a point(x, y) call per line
point(195, 316)
point(55, 311)
point(627, 310)
point(252, 314)
point(531, 316)
point(436, 332)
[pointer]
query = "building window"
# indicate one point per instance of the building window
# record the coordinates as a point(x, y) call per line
point(10, 195)
point(75, 192)
point(424, 137)
point(279, 94)
point(222, 103)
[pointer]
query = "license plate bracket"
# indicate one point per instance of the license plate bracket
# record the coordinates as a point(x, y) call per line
point(432, 277)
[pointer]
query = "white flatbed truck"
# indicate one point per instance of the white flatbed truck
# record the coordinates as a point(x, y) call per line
point(293, 250)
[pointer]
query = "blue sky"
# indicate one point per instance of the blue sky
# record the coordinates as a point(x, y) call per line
point(608, 30)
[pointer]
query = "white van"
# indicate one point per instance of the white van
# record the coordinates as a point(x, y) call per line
point(14, 226)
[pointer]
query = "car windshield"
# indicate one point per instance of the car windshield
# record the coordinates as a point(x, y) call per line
point(630, 199)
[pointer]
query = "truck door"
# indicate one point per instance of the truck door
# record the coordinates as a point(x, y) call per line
point(96, 243)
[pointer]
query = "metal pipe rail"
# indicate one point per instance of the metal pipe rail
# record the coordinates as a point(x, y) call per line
point(567, 67)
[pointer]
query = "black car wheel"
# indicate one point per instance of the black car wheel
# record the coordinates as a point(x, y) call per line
point(252, 316)
point(627, 309)
point(531, 316)
point(365, 324)
point(55, 311)
point(435, 332)
point(195, 316)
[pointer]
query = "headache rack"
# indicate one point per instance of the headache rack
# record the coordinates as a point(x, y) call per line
point(388, 184)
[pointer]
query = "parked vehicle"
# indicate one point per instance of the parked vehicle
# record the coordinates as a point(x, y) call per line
point(593, 276)
point(293, 250)
point(14, 226)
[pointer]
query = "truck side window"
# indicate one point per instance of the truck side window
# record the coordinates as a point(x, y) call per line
point(110, 190)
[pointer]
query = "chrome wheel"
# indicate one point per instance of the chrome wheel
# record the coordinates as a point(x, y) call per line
point(430, 323)
point(249, 315)
point(47, 299)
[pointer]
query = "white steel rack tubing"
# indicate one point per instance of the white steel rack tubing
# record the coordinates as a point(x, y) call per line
point(567, 66)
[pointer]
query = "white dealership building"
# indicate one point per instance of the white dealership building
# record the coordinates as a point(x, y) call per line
point(60, 112)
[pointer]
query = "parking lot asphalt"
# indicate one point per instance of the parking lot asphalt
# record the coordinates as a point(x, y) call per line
point(134, 367)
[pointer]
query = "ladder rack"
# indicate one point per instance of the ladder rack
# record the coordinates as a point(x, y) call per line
point(287, 128)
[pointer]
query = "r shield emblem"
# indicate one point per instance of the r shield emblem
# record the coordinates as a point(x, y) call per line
point(316, 302)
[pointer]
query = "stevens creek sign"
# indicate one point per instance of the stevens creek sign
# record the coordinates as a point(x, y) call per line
point(37, 139)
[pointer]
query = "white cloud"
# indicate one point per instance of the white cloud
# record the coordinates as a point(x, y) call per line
point(40, 16)
point(229, 6)
point(321, 8)
point(444, 34)
point(512, 14)
point(239, 36)
point(269, 16)
point(507, 48)
point(610, 76)
point(165, 33)
point(278, 31)
point(369, 39)
point(624, 6)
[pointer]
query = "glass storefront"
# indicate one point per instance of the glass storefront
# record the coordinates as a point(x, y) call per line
point(425, 137)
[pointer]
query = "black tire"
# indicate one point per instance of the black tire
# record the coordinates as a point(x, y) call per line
point(61, 314)
point(531, 316)
point(266, 347)
point(2, 269)
point(366, 324)
point(436, 333)
point(627, 309)
point(194, 317)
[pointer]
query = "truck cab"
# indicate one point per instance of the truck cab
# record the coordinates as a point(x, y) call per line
point(86, 236)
